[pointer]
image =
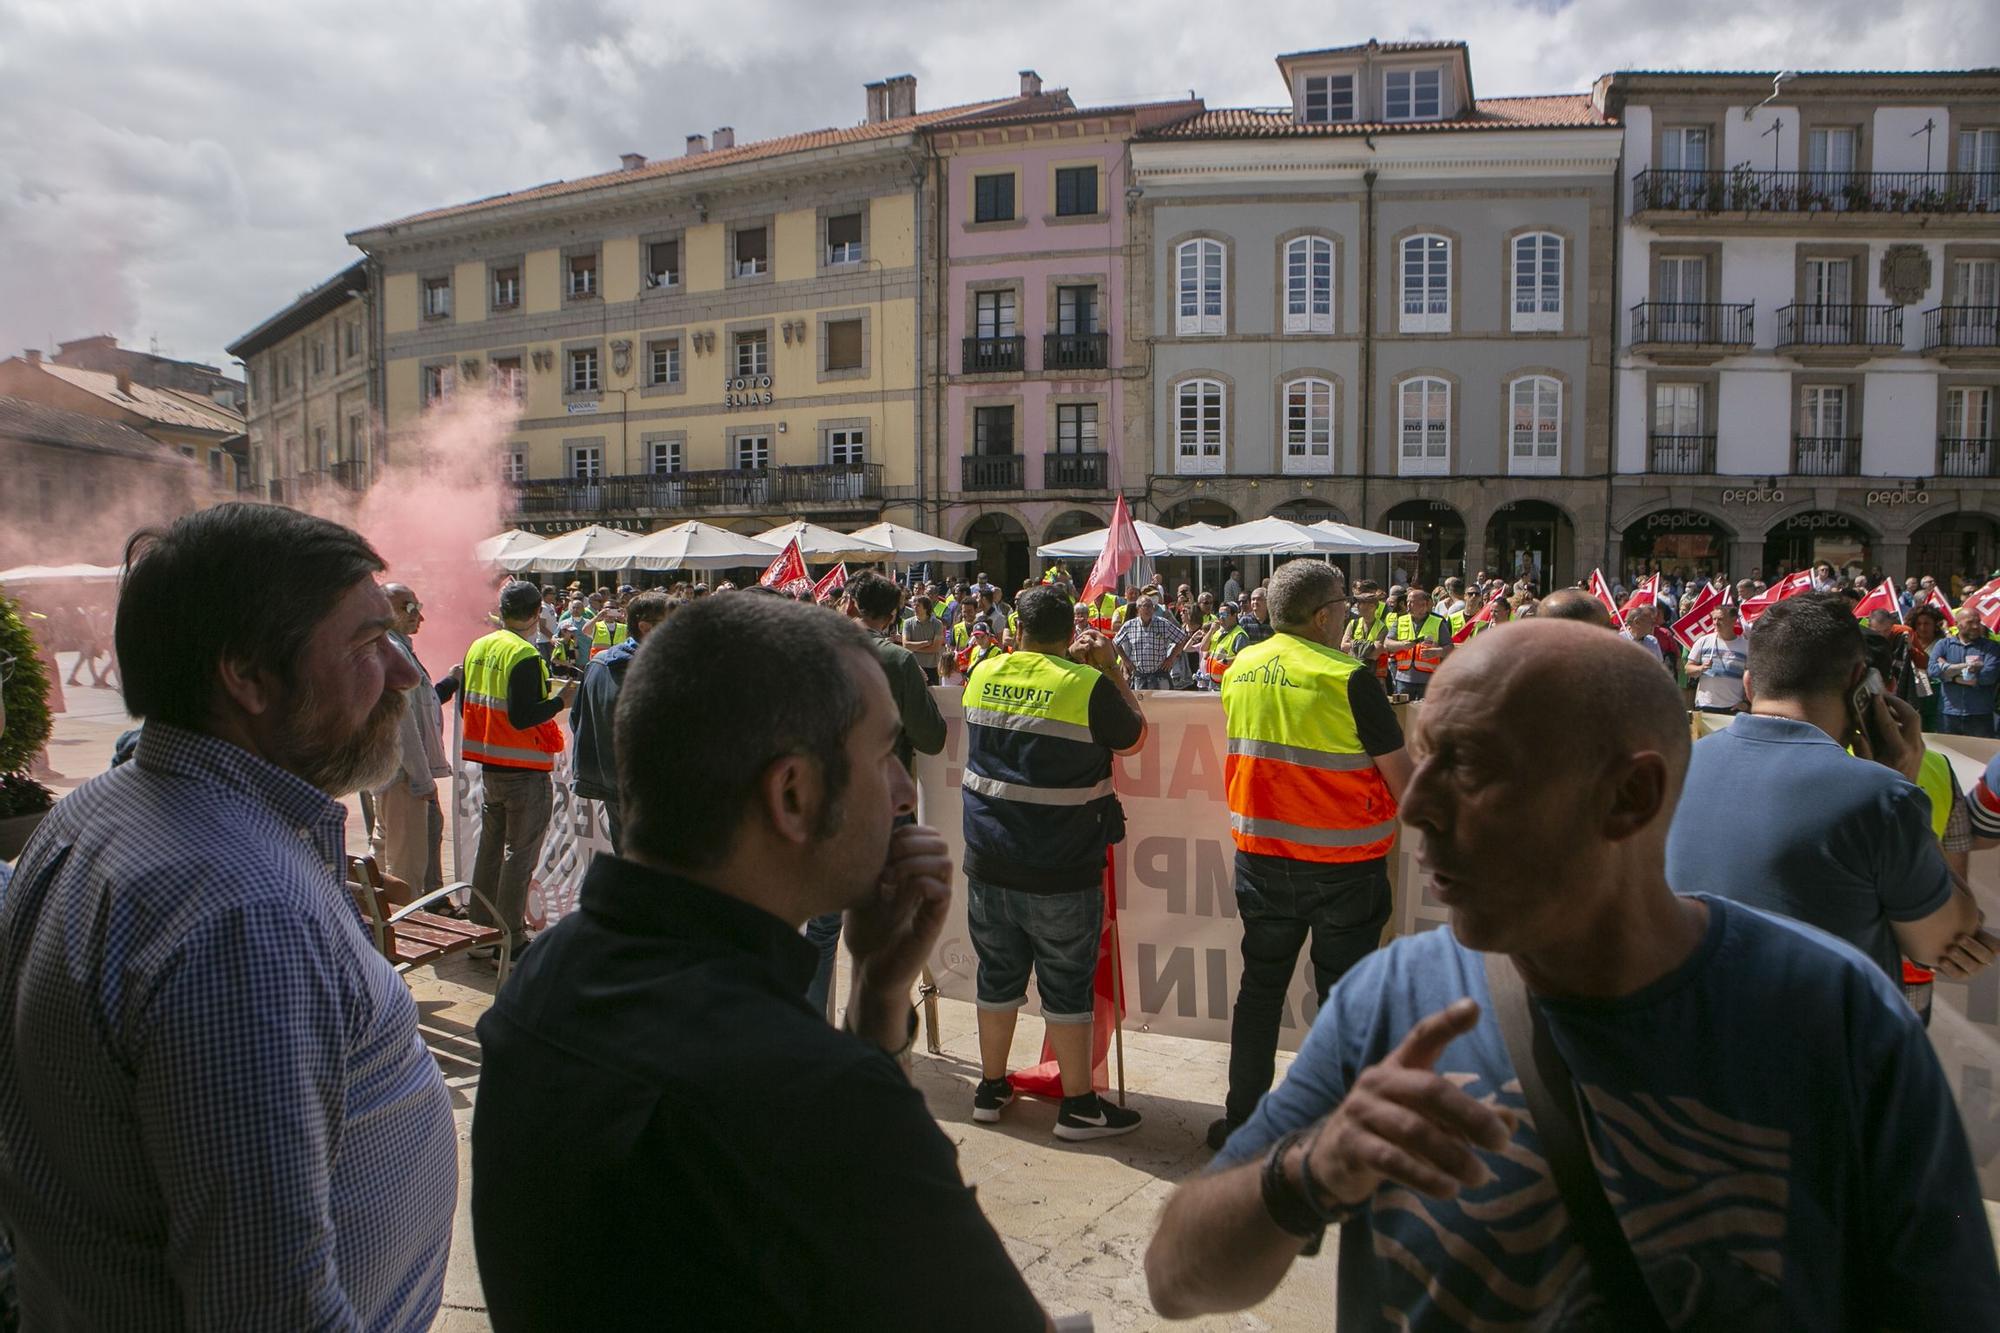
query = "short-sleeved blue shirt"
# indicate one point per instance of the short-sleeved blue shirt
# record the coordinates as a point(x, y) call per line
point(1771, 1124)
point(1777, 815)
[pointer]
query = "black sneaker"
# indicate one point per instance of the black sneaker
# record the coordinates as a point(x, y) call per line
point(989, 1097)
point(1219, 1132)
point(1091, 1117)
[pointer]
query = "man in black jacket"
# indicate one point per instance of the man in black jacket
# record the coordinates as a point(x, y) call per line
point(666, 1135)
point(595, 705)
point(875, 601)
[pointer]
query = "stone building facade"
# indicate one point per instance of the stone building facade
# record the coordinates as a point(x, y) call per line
point(313, 412)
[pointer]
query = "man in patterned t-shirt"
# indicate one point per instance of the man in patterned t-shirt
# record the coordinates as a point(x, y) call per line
point(1768, 1121)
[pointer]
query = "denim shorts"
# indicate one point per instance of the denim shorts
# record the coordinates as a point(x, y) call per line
point(1056, 933)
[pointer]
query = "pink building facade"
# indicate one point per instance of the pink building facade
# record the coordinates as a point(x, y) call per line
point(1034, 376)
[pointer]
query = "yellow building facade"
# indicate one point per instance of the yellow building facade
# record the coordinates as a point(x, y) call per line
point(731, 335)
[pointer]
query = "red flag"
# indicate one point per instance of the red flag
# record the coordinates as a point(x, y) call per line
point(1728, 593)
point(1121, 552)
point(1986, 604)
point(1935, 597)
point(834, 580)
point(1699, 620)
point(1789, 586)
point(1646, 594)
point(1485, 617)
point(1881, 599)
point(1602, 592)
point(788, 572)
point(1045, 1079)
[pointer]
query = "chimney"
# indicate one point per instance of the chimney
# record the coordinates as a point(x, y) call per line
point(902, 96)
point(1031, 83)
point(725, 137)
point(631, 161)
point(125, 383)
point(34, 355)
point(878, 101)
point(697, 145)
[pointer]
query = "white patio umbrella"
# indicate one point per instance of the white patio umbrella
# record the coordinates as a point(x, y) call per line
point(1196, 529)
point(1154, 540)
point(511, 542)
point(21, 574)
point(558, 555)
point(820, 545)
point(1263, 536)
point(689, 545)
point(1364, 541)
point(911, 546)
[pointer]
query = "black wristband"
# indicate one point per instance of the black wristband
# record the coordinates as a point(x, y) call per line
point(1292, 1212)
point(1329, 1214)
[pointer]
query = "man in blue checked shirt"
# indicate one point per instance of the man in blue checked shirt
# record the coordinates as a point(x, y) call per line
point(215, 1109)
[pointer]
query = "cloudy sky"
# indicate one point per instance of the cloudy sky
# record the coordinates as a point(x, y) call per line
point(180, 170)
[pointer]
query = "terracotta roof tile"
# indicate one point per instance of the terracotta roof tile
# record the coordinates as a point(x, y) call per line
point(42, 423)
point(723, 157)
point(166, 406)
point(1559, 111)
point(1379, 46)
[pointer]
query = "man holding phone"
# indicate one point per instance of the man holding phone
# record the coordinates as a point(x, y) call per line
point(1968, 667)
point(1848, 846)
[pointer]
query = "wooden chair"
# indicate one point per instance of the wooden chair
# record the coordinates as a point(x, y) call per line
point(409, 936)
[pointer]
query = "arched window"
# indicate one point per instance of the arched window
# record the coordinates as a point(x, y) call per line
point(1538, 282)
point(1199, 414)
point(1309, 285)
point(1200, 307)
point(1423, 427)
point(1308, 425)
point(1426, 284)
point(1534, 429)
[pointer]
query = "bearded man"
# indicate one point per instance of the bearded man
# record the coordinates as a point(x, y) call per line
point(215, 1107)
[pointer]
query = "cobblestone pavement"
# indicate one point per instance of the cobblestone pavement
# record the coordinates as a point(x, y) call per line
point(1075, 1217)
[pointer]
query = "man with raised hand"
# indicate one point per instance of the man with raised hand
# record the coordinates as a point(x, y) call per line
point(1757, 1121)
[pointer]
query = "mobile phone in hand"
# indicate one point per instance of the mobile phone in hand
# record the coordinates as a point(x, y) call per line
point(1861, 704)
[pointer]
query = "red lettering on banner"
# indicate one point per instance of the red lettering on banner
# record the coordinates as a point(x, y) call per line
point(1197, 771)
point(1138, 775)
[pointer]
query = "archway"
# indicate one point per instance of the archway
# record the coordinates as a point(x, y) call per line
point(1531, 539)
point(1803, 540)
point(1684, 542)
point(1002, 544)
point(1199, 511)
point(1439, 533)
point(1961, 543)
point(1072, 523)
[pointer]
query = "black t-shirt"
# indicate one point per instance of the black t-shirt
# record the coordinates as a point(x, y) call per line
point(1374, 719)
point(667, 1136)
point(1114, 723)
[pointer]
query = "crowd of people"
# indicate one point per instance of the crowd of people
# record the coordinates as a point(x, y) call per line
point(1666, 1068)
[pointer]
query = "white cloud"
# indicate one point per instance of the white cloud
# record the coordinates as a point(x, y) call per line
point(184, 169)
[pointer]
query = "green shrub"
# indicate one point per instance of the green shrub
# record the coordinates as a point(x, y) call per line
point(27, 729)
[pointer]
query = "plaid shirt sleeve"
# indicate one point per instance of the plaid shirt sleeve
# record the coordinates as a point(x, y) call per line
point(241, 1085)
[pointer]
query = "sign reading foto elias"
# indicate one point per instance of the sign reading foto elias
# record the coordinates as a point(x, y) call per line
point(747, 391)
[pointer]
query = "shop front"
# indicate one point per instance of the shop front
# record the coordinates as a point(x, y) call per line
point(1681, 542)
point(1532, 539)
point(1804, 540)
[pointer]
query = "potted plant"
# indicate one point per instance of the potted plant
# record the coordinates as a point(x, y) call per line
point(25, 691)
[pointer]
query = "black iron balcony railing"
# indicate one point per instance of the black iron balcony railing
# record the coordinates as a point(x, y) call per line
point(1840, 326)
point(1741, 190)
point(723, 488)
point(1959, 456)
point(1075, 472)
point(1961, 327)
point(983, 356)
point(1684, 455)
point(351, 473)
point(992, 472)
point(1826, 455)
point(1693, 323)
point(1074, 351)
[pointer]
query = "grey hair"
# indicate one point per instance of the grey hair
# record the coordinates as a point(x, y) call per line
point(1300, 588)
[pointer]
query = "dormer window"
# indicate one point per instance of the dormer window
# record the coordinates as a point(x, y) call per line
point(1329, 99)
point(1413, 94)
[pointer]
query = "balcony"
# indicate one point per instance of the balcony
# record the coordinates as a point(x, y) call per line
point(1826, 455)
point(1681, 455)
point(1839, 334)
point(1964, 457)
point(1750, 193)
point(992, 472)
point(351, 474)
point(1685, 333)
point(828, 486)
point(1074, 472)
point(1075, 351)
point(992, 356)
point(1963, 334)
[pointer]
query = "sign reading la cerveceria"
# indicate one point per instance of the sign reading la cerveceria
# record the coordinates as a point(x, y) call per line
point(747, 391)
